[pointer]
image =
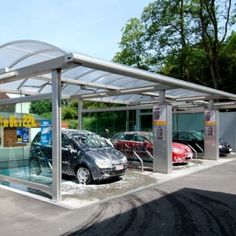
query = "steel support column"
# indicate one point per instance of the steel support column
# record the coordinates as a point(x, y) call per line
point(211, 141)
point(162, 136)
point(137, 123)
point(127, 121)
point(56, 135)
point(80, 115)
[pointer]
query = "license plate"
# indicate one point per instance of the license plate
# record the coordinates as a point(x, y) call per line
point(119, 167)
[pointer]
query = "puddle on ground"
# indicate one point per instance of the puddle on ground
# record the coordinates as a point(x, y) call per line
point(132, 180)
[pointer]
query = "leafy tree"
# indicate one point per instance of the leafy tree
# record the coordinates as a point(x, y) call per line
point(168, 32)
point(227, 60)
point(182, 38)
point(214, 19)
point(41, 107)
point(133, 51)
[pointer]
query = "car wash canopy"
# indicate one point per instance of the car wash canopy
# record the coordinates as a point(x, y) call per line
point(25, 68)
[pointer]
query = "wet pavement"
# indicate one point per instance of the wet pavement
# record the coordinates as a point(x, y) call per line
point(203, 203)
point(196, 199)
point(75, 195)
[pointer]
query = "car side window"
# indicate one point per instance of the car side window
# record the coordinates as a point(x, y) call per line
point(139, 138)
point(129, 137)
point(121, 137)
point(183, 136)
point(188, 137)
point(65, 142)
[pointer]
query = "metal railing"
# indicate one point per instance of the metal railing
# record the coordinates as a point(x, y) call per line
point(193, 150)
point(140, 159)
point(134, 152)
point(149, 154)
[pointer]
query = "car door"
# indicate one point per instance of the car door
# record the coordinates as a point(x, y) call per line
point(126, 144)
point(69, 153)
point(43, 152)
point(139, 146)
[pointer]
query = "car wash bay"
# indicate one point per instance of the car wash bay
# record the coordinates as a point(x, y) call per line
point(36, 71)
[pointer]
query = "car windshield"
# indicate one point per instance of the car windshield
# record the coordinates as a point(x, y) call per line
point(89, 141)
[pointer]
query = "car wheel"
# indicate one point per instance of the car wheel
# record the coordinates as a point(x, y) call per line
point(83, 175)
point(34, 166)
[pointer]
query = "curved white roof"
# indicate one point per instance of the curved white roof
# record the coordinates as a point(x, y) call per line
point(25, 68)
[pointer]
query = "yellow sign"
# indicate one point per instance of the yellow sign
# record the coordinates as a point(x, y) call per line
point(210, 123)
point(13, 122)
point(160, 122)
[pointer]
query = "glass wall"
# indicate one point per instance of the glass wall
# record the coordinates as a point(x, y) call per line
point(114, 121)
point(25, 146)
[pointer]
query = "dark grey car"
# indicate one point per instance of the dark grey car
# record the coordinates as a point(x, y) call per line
point(196, 141)
point(85, 155)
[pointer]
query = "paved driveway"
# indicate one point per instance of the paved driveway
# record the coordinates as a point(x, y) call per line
point(201, 203)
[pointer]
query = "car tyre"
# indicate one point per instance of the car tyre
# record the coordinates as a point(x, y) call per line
point(34, 166)
point(83, 175)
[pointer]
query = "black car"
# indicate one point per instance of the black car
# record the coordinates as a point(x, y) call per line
point(196, 141)
point(85, 155)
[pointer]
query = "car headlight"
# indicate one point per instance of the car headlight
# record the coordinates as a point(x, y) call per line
point(220, 146)
point(176, 150)
point(103, 164)
point(124, 159)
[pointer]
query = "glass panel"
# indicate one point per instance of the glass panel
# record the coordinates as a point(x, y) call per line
point(37, 58)
point(113, 122)
point(75, 72)
point(7, 56)
point(12, 52)
point(46, 89)
point(20, 147)
point(93, 76)
point(183, 93)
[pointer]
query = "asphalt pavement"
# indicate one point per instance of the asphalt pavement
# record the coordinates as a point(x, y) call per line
point(199, 203)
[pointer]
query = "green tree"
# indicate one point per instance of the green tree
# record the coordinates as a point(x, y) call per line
point(214, 19)
point(133, 51)
point(169, 32)
point(41, 107)
point(227, 61)
point(183, 38)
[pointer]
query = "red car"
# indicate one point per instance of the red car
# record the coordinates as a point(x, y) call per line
point(142, 142)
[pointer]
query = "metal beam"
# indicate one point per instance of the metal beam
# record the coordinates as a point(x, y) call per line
point(56, 135)
point(25, 99)
point(35, 69)
point(7, 76)
point(79, 82)
point(123, 108)
point(80, 114)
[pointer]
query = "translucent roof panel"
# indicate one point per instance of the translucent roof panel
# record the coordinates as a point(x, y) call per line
point(178, 93)
point(26, 66)
point(26, 52)
point(96, 76)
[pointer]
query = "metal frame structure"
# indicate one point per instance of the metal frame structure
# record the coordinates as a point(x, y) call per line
point(41, 71)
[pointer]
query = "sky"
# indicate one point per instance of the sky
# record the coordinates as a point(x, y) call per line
point(91, 27)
